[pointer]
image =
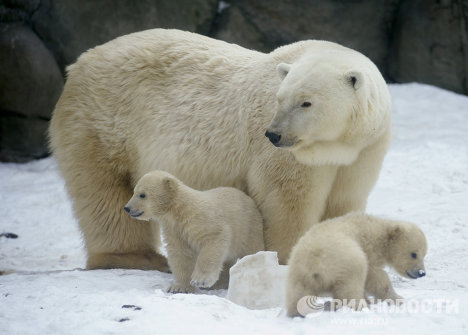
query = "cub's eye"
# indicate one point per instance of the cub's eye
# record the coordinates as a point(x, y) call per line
point(414, 255)
point(142, 195)
point(306, 104)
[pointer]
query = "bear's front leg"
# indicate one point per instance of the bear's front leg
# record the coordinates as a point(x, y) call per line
point(378, 284)
point(210, 262)
point(291, 198)
point(181, 260)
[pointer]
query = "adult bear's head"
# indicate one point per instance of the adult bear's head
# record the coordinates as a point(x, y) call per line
point(330, 106)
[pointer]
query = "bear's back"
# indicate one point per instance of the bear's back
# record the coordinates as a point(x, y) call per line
point(243, 217)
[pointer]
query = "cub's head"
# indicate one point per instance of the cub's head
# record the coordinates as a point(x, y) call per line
point(407, 249)
point(329, 107)
point(152, 196)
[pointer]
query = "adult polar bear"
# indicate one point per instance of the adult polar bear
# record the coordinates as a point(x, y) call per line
point(199, 108)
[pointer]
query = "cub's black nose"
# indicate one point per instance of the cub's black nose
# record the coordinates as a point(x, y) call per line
point(127, 209)
point(274, 138)
point(421, 273)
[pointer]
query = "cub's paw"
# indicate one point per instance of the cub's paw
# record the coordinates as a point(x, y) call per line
point(221, 284)
point(395, 299)
point(180, 288)
point(204, 280)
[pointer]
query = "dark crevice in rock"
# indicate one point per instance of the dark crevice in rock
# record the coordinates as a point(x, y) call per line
point(215, 21)
point(9, 113)
point(463, 13)
point(391, 40)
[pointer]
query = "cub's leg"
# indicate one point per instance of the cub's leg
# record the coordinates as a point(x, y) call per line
point(349, 287)
point(378, 284)
point(210, 261)
point(223, 281)
point(295, 290)
point(304, 279)
point(351, 294)
point(181, 261)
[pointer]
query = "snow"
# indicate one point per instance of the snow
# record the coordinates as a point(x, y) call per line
point(424, 179)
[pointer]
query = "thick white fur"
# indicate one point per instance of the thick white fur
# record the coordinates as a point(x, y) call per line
point(203, 229)
point(345, 256)
point(198, 108)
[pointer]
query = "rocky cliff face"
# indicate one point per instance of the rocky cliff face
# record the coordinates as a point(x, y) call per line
point(409, 40)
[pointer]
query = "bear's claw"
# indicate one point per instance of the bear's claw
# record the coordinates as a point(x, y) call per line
point(179, 288)
point(204, 282)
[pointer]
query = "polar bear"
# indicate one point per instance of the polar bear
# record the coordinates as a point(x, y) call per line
point(345, 256)
point(203, 229)
point(200, 108)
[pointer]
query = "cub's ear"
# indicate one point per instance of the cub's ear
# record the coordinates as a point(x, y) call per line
point(169, 184)
point(354, 78)
point(394, 233)
point(283, 69)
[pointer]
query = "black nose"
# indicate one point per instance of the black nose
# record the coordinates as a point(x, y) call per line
point(421, 273)
point(274, 138)
point(127, 209)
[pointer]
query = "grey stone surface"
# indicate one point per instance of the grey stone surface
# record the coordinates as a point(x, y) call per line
point(30, 85)
point(70, 27)
point(22, 139)
point(409, 40)
point(232, 26)
point(30, 80)
point(363, 25)
point(17, 10)
point(430, 44)
point(26, 5)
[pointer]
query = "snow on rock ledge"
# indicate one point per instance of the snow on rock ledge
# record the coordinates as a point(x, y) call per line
point(258, 281)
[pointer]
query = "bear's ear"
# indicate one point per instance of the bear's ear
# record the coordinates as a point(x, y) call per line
point(283, 69)
point(354, 78)
point(169, 184)
point(394, 233)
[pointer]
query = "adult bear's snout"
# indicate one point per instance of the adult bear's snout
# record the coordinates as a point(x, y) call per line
point(273, 137)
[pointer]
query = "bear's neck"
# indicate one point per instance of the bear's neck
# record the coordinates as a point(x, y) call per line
point(374, 241)
point(185, 204)
point(327, 153)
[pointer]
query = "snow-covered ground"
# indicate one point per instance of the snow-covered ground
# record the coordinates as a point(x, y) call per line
point(424, 179)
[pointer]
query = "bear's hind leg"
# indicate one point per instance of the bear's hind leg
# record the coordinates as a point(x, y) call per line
point(113, 239)
point(295, 290)
point(144, 261)
point(350, 292)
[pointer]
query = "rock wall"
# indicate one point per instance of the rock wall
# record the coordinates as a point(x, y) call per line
point(429, 44)
point(409, 40)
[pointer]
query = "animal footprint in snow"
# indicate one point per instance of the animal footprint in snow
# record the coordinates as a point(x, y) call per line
point(135, 308)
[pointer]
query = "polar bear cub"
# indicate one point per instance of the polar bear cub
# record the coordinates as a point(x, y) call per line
point(203, 229)
point(345, 256)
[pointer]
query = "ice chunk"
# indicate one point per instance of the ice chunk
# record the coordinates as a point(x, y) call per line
point(258, 281)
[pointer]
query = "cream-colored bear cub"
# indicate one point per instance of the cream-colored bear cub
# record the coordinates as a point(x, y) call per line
point(202, 229)
point(345, 256)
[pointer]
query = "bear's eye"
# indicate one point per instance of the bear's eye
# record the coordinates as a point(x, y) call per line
point(306, 104)
point(142, 195)
point(414, 255)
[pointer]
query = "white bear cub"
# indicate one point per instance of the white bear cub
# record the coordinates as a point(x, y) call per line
point(203, 229)
point(345, 256)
